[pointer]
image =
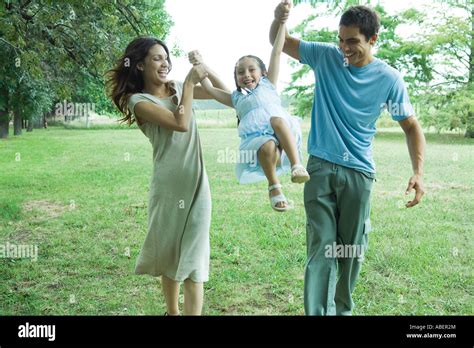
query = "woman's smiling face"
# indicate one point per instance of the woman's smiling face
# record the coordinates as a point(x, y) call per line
point(156, 65)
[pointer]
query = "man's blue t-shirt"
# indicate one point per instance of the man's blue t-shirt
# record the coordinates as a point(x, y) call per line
point(347, 102)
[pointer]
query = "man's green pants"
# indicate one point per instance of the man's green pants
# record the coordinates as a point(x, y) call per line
point(337, 203)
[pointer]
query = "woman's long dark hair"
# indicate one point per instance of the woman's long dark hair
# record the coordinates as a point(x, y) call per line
point(125, 79)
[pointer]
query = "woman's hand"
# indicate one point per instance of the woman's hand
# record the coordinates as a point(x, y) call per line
point(196, 74)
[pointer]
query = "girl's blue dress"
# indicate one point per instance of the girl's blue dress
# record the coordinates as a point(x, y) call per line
point(255, 108)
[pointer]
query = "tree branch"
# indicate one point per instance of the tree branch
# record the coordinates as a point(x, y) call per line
point(22, 6)
point(9, 43)
point(444, 83)
point(462, 60)
point(117, 6)
point(449, 79)
point(135, 18)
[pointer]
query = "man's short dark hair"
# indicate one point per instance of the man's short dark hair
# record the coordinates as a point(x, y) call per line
point(362, 17)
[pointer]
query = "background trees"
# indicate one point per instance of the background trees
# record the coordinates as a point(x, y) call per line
point(436, 59)
point(51, 51)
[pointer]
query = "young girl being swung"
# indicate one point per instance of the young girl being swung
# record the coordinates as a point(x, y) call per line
point(265, 127)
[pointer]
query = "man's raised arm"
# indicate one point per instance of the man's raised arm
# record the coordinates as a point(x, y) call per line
point(292, 45)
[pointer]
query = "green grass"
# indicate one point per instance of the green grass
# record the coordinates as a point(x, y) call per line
point(223, 118)
point(75, 195)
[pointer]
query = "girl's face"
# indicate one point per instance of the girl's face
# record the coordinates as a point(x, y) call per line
point(248, 73)
point(155, 66)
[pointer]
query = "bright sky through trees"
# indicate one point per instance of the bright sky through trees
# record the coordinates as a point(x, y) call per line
point(225, 30)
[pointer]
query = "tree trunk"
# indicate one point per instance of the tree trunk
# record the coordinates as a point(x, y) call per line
point(30, 126)
point(4, 116)
point(4, 121)
point(470, 113)
point(470, 125)
point(17, 122)
point(39, 122)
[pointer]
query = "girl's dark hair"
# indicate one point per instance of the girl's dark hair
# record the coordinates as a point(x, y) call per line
point(260, 63)
point(362, 17)
point(125, 79)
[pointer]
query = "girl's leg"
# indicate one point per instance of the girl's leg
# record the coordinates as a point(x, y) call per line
point(171, 293)
point(286, 139)
point(193, 297)
point(268, 156)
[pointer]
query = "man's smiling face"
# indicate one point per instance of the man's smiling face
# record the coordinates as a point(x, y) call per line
point(356, 48)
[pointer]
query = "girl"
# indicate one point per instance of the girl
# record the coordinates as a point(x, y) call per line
point(265, 128)
point(179, 203)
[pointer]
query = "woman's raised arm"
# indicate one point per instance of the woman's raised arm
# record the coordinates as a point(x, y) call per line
point(178, 120)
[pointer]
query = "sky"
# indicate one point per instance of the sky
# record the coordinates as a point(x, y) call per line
point(225, 30)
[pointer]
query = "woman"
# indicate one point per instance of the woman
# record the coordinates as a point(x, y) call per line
point(179, 204)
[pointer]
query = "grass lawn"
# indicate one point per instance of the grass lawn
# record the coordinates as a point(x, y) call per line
point(80, 196)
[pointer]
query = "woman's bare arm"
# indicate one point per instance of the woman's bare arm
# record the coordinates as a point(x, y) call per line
point(178, 120)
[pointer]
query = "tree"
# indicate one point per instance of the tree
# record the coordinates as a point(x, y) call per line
point(437, 60)
point(442, 50)
point(55, 50)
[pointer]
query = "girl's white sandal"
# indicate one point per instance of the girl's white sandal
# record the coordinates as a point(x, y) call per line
point(278, 199)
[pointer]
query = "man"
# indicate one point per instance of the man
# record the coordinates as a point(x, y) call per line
point(352, 86)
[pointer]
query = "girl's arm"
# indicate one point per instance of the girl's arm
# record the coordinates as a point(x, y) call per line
point(202, 93)
point(274, 67)
point(223, 97)
point(178, 120)
point(215, 79)
point(292, 44)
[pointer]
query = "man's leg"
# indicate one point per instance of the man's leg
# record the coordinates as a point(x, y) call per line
point(321, 214)
point(353, 226)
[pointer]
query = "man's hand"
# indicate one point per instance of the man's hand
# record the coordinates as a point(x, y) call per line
point(282, 11)
point(195, 57)
point(416, 147)
point(416, 182)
